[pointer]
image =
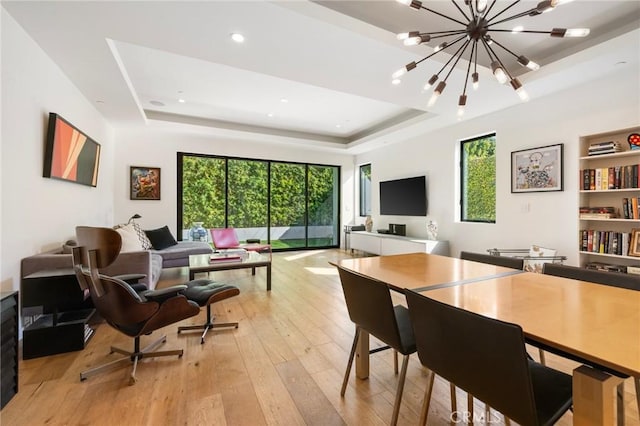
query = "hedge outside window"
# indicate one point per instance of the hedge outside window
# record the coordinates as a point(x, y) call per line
point(478, 179)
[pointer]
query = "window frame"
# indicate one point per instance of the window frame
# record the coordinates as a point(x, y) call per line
point(363, 193)
point(180, 159)
point(463, 176)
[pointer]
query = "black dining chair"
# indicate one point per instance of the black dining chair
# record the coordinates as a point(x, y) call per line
point(614, 279)
point(487, 358)
point(371, 309)
point(506, 261)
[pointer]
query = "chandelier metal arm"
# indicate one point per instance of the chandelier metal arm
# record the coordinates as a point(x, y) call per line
point(522, 31)
point(466, 79)
point(503, 10)
point(511, 18)
point(462, 11)
point(438, 51)
point(505, 48)
point(443, 15)
point(499, 61)
point(456, 55)
point(493, 3)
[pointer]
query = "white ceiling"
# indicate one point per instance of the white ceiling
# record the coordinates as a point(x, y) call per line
point(331, 61)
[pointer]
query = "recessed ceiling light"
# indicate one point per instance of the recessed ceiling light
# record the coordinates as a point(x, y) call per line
point(284, 100)
point(338, 125)
point(181, 100)
point(237, 37)
point(270, 114)
point(156, 103)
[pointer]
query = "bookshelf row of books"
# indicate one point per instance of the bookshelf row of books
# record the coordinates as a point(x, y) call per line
point(605, 242)
point(608, 267)
point(609, 147)
point(598, 213)
point(630, 209)
point(604, 178)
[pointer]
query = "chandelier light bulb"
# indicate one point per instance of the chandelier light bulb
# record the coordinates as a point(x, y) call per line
point(404, 36)
point(402, 71)
point(413, 41)
point(481, 5)
point(556, 3)
point(396, 81)
point(431, 82)
point(517, 29)
point(525, 62)
point(405, 2)
point(436, 93)
point(476, 81)
point(440, 47)
point(498, 72)
point(517, 86)
point(577, 32)
point(416, 4)
point(462, 101)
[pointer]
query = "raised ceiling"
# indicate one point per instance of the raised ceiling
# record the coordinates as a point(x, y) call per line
point(316, 73)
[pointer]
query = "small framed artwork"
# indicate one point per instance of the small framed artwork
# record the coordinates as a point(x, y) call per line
point(144, 183)
point(537, 169)
point(634, 244)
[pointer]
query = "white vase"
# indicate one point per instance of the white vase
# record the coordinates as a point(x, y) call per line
point(368, 224)
point(432, 230)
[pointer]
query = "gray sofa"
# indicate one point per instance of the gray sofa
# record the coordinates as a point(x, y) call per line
point(148, 262)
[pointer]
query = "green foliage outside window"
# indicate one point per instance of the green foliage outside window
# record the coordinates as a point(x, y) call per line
point(204, 193)
point(479, 179)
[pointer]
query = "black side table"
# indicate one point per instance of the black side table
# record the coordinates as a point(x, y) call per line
point(62, 325)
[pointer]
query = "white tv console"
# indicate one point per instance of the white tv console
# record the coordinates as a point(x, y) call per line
point(385, 244)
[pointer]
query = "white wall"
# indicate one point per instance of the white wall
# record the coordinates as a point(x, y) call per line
point(157, 147)
point(548, 219)
point(38, 213)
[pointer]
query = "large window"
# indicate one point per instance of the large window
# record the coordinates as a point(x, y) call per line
point(289, 205)
point(365, 190)
point(478, 179)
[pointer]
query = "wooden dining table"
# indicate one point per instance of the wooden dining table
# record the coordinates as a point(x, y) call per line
point(594, 324)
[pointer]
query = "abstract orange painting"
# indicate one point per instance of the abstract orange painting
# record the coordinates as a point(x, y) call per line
point(70, 154)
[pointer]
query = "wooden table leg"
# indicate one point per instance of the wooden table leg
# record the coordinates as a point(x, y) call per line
point(593, 397)
point(362, 356)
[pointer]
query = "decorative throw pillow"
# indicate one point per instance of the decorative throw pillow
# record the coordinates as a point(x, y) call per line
point(161, 238)
point(130, 240)
point(142, 236)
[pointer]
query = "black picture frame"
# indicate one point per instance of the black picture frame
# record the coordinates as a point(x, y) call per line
point(538, 169)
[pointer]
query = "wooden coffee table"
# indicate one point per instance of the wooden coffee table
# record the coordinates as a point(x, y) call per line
point(202, 263)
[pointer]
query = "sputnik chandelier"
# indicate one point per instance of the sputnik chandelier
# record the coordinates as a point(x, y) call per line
point(475, 31)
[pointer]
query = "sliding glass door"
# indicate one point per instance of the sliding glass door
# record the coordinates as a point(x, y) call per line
point(289, 205)
point(247, 194)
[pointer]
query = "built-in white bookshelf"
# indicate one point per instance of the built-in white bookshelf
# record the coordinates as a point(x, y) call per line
point(608, 183)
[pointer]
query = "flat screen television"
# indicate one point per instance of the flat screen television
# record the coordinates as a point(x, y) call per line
point(404, 197)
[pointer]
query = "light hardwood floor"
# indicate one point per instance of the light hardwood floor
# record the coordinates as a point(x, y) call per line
point(282, 366)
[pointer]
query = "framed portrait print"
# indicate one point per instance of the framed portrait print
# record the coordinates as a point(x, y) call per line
point(144, 183)
point(537, 169)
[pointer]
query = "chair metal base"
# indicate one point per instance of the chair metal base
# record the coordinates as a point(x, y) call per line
point(133, 357)
point(207, 326)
